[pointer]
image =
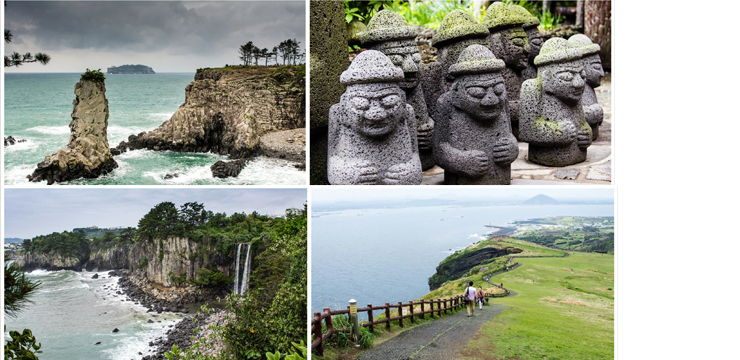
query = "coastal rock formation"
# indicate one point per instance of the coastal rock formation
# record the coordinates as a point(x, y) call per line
point(288, 144)
point(227, 110)
point(51, 261)
point(224, 169)
point(459, 266)
point(87, 154)
point(12, 141)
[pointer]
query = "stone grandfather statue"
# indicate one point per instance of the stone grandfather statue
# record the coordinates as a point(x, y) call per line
point(509, 43)
point(389, 33)
point(594, 72)
point(534, 38)
point(551, 113)
point(473, 140)
point(372, 130)
point(457, 31)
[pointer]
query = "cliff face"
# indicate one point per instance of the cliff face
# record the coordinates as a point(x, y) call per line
point(227, 111)
point(179, 256)
point(448, 270)
point(87, 153)
point(49, 262)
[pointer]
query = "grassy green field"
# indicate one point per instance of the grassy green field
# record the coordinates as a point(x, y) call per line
point(564, 309)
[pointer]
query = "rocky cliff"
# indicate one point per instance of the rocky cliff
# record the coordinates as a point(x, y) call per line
point(87, 154)
point(226, 111)
point(52, 261)
point(457, 265)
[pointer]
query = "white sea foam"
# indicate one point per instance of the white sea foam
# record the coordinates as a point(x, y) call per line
point(477, 236)
point(51, 130)
point(21, 146)
point(160, 116)
point(17, 175)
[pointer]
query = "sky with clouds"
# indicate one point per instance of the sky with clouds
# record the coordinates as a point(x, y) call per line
point(325, 195)
point(32, 212)
point(169, 36)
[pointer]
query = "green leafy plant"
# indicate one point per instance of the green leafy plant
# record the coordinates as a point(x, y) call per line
point(351, 13)
point(548, 21)
point(94, 75)
point(22, 346)
point(143, 262)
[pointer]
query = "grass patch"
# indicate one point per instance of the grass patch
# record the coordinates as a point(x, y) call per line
point(564, 309)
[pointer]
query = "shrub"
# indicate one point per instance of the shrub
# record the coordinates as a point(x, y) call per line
point(143, 262)
point(94, 75)
point(210, 278)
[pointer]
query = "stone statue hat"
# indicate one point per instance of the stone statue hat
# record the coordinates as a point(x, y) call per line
point(458, 25)
point(557, 50)
point(371, 66)
point(530, 20)
point(584, 43)
point(476, 59)
point(386, 25)
point(500, 16)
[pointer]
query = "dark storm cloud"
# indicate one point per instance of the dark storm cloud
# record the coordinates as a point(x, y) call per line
point(180, 28)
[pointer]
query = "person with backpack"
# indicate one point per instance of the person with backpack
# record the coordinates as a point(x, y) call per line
point(470, 297)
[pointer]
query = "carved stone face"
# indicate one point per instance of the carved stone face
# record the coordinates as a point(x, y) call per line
point(515, 48)
point(481, 96)
point(535, 42)
point(594, 71)
point(565, 81)
point(405, 56)
point(374, 110)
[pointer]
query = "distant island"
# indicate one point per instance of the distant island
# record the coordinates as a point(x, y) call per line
point(130, 69)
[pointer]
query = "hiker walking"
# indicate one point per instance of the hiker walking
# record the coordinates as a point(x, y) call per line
point(480, 295)
point(470, 297)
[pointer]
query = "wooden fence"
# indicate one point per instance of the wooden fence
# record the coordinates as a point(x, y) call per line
point(443, 305)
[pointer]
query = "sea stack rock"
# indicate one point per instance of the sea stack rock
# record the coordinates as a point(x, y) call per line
point(87, 154)
point(551, 117)
point(592, 66)
point(390, 34)
point(457, 31)
point(372, 130)
point(473, 140)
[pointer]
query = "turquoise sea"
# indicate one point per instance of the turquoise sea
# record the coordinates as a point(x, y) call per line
point(38, 109)
point(72, 312)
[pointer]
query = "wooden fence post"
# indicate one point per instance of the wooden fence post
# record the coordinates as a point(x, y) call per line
point(400, 314)
point(329, 325)
point(431, 305)
point(388, 316)
point(439, 307)
point(317, 334)
point(370, 317)
point(411, 310)
point(422, 309)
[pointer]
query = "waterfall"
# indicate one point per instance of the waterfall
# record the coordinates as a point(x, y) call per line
point(236, 274)
point(247, 270)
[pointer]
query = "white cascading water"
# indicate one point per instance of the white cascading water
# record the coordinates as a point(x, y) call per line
point(236, 274)
point(247, 270)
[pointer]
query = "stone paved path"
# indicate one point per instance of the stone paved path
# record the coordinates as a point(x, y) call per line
point(440, 339)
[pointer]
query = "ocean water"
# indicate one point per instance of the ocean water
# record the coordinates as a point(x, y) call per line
point(72, 312)
point(387, 255)
point(38, 109)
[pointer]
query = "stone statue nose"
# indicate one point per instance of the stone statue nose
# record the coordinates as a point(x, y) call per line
point(490, 99)
point(375, 112)
point(578, 81)
point(409, 66)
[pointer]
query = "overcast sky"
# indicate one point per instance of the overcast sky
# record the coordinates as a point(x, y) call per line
point(169, 36)
point(32, 212)
point(326, 195)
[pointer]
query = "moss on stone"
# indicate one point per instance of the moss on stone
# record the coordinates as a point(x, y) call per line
point(458, 25)
point(500, 16)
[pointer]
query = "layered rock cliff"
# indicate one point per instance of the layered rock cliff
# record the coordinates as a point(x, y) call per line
point(87, 154)
point(51, 261)
point(459, 264)
point(226, 111)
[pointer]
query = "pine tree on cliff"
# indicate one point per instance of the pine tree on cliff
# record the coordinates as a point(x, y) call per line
point(16, 59)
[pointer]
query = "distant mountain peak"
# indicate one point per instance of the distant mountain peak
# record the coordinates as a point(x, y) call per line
point(541, 200)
